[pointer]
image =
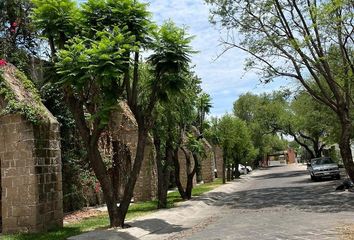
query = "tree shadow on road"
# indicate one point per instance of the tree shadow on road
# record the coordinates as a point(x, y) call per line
point(157, 226)
point(137, 229)
point(303, 195)
point(282, 175)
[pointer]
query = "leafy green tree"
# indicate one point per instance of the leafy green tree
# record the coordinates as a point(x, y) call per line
point(235, 139)
point(212, 131)
point(172, 118)
point(95, 68)
point(298, 39)
point(263, 115)
point(18, 38)
point(310, 123)
point(204, 105)
point(90, 71)
point(133, 20)
point(301, 117)
point(58, 21)
point(174, 97)
point(170, 62)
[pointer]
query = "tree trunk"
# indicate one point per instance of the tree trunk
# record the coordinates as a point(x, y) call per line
point(121, 167)
point(190, 171)
point(228, 173)
point(233, 172)
point(345, 145)
point(129, 188)
point(52, 47)
point(90, 138)
point(103, 177)
point(177, 176)
point(198, 168)
point(163, 170)
point(167, 171)
point(318, 152)
point(160, 183)
point(189, 187)
point(223, 170)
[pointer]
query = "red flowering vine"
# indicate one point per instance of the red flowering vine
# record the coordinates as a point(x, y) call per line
point(2, 62)
point(97, 187)
point(13, 27)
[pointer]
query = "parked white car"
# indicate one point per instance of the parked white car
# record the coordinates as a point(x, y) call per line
point(323, 167)
point(249, 169)
point(242, 169)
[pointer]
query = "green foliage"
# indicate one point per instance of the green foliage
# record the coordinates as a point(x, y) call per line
point(264, 115)
point(170, 59)
point(32, 111)
point(312, 118)
point(18, 38)
point(203, 105)
point(130, 15)
point(212, 133)
point(15, 27)
point(235, 139)
point(93, 69)
point(56, 18)
point(310, 42)
point(195, 146)
point(96, 54)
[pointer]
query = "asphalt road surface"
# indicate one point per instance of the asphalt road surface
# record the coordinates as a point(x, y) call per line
point(280, 203)
point(275, 203)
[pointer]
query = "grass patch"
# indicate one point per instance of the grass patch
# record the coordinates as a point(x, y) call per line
point(89, 224)
point(203, 188)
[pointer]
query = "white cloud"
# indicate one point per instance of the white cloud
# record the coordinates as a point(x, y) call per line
point(224, 78)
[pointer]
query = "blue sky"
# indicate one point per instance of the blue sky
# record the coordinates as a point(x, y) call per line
point(224, 79)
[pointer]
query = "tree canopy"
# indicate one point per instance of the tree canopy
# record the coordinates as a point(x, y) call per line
point(308, 41)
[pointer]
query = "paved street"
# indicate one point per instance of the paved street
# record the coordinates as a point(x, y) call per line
point(276, 203)
point(281, 203)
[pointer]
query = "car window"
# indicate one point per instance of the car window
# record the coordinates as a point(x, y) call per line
point(320, 161)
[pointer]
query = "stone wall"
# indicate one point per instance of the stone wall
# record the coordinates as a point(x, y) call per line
point(30, 175)
point(49, 175)
point(218, 156)
point(124, 130)
point(207, 163)
point(291, 156)
point(31, 195)
point(146, 185)
point(183, 168)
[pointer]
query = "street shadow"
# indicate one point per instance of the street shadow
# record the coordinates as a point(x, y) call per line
point(301, 194)
point(104, 235)
point(282, 175)
point(157, 226)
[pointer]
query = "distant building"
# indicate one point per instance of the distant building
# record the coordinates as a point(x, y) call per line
point(279, 158)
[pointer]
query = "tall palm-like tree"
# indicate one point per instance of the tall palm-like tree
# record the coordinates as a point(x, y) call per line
point(204, 105)
point(170, 62)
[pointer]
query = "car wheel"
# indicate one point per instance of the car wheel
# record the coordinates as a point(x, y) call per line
point(313, 178)
point(337, 176)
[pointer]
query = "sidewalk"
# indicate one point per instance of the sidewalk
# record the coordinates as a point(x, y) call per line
point(181, 221)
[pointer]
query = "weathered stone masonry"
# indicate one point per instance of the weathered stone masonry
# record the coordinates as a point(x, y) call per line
point(31, 196)
point(207, 163)
point(218, 156)
point(124, 129)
